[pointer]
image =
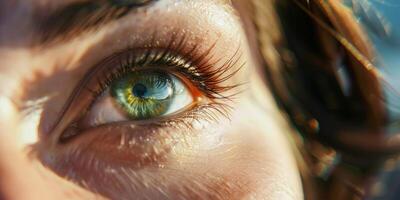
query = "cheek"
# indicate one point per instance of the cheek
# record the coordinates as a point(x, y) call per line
point(249, 158)
point(252, 159)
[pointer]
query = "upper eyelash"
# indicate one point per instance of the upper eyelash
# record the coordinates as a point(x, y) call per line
point(198, 68)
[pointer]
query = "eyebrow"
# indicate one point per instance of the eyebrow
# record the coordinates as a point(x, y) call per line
point(80, 17)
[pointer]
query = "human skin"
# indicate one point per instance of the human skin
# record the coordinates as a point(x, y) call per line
point(244, 154)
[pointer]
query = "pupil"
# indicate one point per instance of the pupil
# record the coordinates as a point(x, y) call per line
point(139, 90)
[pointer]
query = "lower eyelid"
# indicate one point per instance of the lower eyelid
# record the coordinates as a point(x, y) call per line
point(196, 115)
point(144, 143)
point(98, 158)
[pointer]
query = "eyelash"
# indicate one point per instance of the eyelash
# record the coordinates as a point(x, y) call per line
point(200, 70)
point(203, 74)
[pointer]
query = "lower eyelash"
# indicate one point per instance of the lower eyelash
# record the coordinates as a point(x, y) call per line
point(190, 120)
point(209, 113)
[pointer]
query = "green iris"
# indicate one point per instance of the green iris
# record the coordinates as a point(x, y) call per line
point(144, 95)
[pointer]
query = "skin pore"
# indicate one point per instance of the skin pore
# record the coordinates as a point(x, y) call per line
point(238, 150)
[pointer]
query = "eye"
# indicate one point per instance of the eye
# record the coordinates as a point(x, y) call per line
point(147, 95)
point(134, 107)
point(154, 86)
point(140, 95)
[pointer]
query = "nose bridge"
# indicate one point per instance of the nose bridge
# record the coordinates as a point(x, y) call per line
point(17, 177)
point(9, 157)
point(22, 177)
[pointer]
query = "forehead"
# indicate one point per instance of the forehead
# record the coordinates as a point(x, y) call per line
point(53, 4)
point(14, 8)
